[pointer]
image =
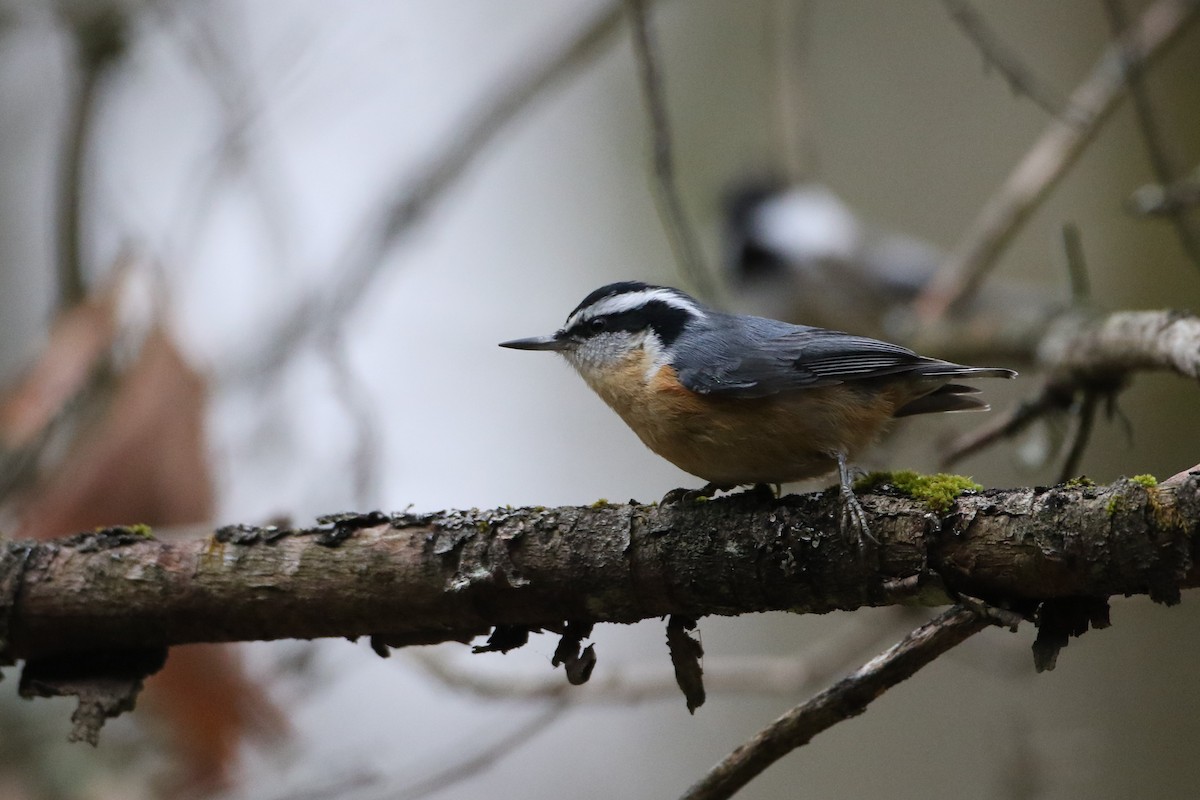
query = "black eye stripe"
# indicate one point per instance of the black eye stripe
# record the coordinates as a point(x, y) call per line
point(665, 320)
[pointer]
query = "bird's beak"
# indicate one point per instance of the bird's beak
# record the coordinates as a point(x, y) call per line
point(538, 343)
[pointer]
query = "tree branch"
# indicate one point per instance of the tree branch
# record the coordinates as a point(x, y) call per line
point(100, 42)
point(1162, 159)
point(1085, 356)
point(847, 698)
point(451, 576)
point(996, 53)
point(670, 204)
point(1123, 342)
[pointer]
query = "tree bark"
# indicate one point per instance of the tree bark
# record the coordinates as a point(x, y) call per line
point(409, 579)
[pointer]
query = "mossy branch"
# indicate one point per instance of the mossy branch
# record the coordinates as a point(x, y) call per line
point(407, 579)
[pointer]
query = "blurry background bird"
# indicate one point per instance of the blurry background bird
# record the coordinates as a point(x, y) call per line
point(799, 252)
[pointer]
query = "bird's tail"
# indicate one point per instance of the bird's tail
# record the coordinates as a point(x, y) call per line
point(950, 396)
point(936, 368)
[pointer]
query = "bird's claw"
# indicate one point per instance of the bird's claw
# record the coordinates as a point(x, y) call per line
point(683, 496)
point(854, 518)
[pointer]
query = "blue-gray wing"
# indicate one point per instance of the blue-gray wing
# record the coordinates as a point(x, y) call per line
point(767, 358)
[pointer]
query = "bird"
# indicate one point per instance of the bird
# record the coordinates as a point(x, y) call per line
point(799, 252)
point(736, 399)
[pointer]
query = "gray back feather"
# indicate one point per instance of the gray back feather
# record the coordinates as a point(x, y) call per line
point(756, 357)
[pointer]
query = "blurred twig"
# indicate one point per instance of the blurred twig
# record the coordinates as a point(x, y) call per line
point(1085, 414)
point(99, 34)
point(468, 767)
point(356, 400)
point(670, 204)
point(241, 108)
point(1163, 162)
point(1051, 399)
point(996, 53)
point(789, 40)
point(1081, 285)
point(366, 785)
point(1050, 157)
point(366, 251)
point(847, 698)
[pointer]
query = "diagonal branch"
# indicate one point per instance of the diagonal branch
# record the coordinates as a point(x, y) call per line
point(1162, 160)
point(847, 698)
point(996, 53)
point(1051, 156)
point(414, 195)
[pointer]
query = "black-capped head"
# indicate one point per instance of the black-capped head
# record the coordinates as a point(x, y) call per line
point(617, 318)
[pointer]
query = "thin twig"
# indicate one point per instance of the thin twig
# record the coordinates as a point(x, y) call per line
point(1081, 287)
point(1052, 398)
point(242, 110)
point(847, 698)
point(1163, 162)
point(100, 43)
point(356, 402)
point(366, 251)
point(485, 758)
point(366, 785)
point(71, 289)
point(996, 53)
point(1086, 418)
point(670, 205)
point(789, 40)
point(1051, 156)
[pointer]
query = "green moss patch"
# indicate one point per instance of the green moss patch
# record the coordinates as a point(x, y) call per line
point(937, 491)
point(1116, 505)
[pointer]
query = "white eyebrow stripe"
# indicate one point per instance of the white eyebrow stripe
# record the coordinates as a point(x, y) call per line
point(631, 300)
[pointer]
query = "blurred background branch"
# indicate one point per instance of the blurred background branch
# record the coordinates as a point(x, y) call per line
point(1003, 58)
point(666, 185)
point(413, 196)
point(1044, 165)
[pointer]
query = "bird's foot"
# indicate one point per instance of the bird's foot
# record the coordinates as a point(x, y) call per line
point(854, 518)
point(685, 496)
point(765, 491)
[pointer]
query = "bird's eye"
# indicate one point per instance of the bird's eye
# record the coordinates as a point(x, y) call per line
point(598, 324)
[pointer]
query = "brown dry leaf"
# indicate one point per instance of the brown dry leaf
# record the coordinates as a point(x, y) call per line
point(210, 704)
point(143, 460)
point(78, 344)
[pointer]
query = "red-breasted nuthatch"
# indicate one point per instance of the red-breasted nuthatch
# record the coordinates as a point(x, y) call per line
point(737, 399)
